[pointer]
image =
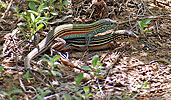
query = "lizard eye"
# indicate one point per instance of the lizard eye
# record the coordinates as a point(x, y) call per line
point(121, 37)
point(104, 27)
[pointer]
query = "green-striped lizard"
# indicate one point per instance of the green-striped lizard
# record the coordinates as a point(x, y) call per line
point(69, 31)
point(99, 42)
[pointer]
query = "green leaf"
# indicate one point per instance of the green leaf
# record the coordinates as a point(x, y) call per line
point(90, 94)
point(65, 2)
point(2, 99)
point(26, 76)
point(60, 1)
point(57, 5)
point(148, 31)
point(32, 17)
point(40, 90)
point(147, 21)
point(94, 60)
point(54, 13)
point(45, 93)
point(25, 17)
point(102, 71)
point(100, 76)
point(66, 9)
point(98, 71)
point(45, 8)
point(79, 79)
point(99, 63)
point(51, 2)
point(32, 6)
point(14, 98)
point(40, 7)
point(77, 98)
point(1, 68)
point(40, 98)
point(143, 25)
point(21, 24)
point(34, 12)
point(145, 83)
point(35, 1)
point(45, 71)
point(56, 57)
point(15, 91)
point(3, 92)
point(55, 73)
point(45, 3)
point(39, 27)
point(67, 97)
point(85, 67)
point(46, 60)
point(45, 55)
point(86, 89)
point(39, 19)
point(97, 89)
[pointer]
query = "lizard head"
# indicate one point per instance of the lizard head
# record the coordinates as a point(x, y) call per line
point(104, 25)
point(108, 23)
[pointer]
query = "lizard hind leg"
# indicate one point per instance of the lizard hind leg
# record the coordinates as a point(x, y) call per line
point(58, 44)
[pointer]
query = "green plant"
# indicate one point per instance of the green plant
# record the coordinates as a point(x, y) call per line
point(50, 61)
point(86, 89)
point(43, 7)
point(142, 24)
point(67, 97)
point(127, 97)
point(3, 5)
point(34, 20)
point(11, 93)
point(78, 80)
point(87, 94)
point(61, 5)
point(42, 94)
point(134, 93)
point(1, 68)
point(16, 10)
point(95, 70)
point(27, 76)
point(39, 14)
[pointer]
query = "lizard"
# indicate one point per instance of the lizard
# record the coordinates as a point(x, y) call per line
point(69, 31)
point(99, 42)
point(96, 43)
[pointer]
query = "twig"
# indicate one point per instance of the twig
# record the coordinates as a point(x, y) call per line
point(157, 27)
point(7, 9)
point(144, 17)
point(38, 78)
point(114, 51)
point(21, 84)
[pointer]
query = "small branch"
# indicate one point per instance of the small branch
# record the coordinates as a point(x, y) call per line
point(145, 17)
point(9, 6)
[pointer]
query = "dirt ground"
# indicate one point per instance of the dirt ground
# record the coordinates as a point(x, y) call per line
point(127, 69)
